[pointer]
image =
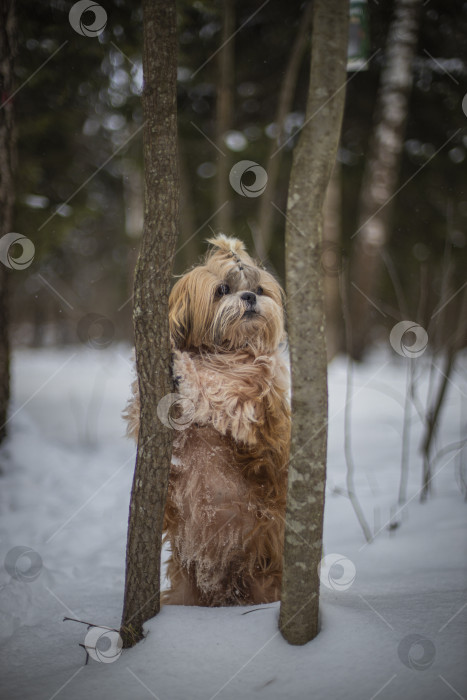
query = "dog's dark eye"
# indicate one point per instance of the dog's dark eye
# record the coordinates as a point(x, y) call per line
point(260, 290)
point(222, 289)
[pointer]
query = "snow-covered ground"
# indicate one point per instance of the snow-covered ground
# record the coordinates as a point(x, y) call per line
point(393, 611)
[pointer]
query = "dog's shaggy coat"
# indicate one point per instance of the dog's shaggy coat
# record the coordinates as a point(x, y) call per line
point(224, 518)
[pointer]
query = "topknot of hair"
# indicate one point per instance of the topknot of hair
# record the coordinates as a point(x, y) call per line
point(231, 246)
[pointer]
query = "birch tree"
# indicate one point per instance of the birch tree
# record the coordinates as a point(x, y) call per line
point(382, 166)
point(150, 316)
point(313, 161)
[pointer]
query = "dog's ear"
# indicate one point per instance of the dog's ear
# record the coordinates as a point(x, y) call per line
point(179, 314)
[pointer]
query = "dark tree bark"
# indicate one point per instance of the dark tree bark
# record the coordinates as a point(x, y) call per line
point(382, 167)
point(150, 315)
point(331, 263)
point(224, 116)
point(188, 248)
point(7, 168)
point(313, 161)
point(284, 106)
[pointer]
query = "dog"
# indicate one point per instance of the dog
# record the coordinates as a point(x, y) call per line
point(225, 508)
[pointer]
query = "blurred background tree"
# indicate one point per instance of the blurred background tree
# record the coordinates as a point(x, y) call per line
point(8, 39)
point(79, 187)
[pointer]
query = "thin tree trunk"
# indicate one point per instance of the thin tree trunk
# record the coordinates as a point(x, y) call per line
point(312, 165)
point(453, 345)
point(7, 167)
point(355, 503)
point(150, 315)
point(344, 294)
point(438, 330)
point(406, 430)
point(284, 106)
point(382, 166)
point(432, 424)
point(332, 263)
point(224, 114)
point(188, 244)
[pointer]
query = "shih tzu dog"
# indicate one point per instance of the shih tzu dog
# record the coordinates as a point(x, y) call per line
point(225, 510)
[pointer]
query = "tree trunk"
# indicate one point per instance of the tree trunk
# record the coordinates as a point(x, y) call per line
point(382, 166)
point(188, 250)
point(453, 345)
point(150, 315)
point(311, 170)
point(226, 67)
point(332, 263)
point(284, 106)
point(7, 167)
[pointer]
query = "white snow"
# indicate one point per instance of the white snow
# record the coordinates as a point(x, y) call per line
point(66, 480)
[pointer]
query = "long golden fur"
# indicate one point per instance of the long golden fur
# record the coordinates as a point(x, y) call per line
point(224, 518)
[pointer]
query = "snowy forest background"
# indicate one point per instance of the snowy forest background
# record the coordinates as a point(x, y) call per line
point(394, 600)
point(84, 105)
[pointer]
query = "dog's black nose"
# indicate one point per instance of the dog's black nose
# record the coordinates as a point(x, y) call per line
point(249, 297)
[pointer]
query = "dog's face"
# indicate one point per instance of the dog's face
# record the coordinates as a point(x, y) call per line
point(227, 303)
